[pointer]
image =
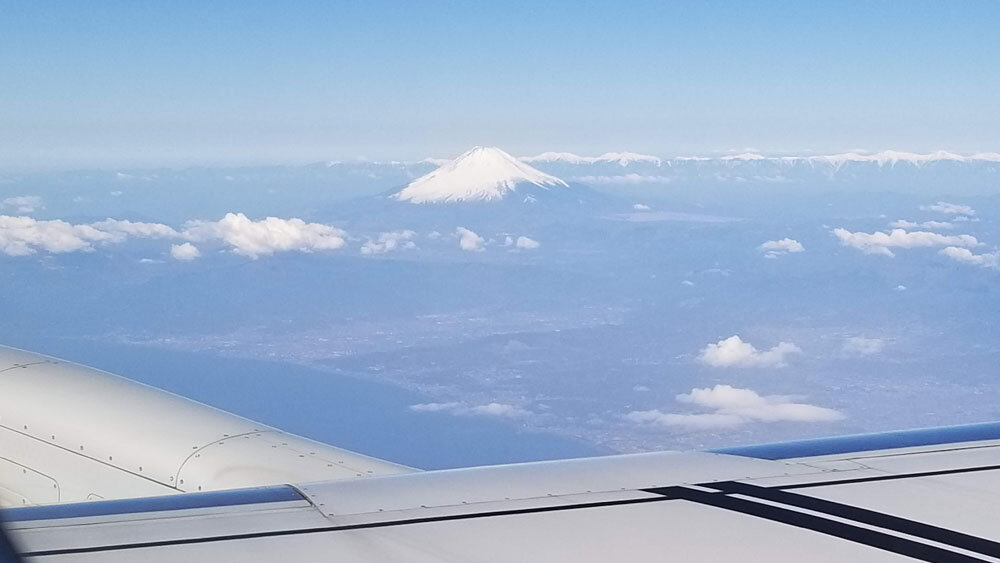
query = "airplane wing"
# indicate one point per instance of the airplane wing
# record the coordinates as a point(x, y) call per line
point(921, 495)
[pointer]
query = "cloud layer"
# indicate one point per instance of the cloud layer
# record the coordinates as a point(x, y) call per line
point(267, 236)
point(734, 352)
point(881, 242)
point(904, 224)
point(390, 241)
point(966, 256)
point(22, 203)
point(861, 346)
point(732, 406)
point(460, 409)
point(949, 208)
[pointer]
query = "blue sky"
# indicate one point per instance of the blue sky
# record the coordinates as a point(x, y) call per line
point(101, 84)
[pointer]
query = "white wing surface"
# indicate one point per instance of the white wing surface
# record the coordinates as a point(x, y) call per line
point(925, 495)
point(71, 433)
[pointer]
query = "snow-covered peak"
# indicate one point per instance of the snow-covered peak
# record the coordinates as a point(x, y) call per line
point(986, 156)
point(625, 158)
point(558, 157)
point(893, 157)
point(888, 157)
point(621, 158)
point(745, 156)
point(481, 174)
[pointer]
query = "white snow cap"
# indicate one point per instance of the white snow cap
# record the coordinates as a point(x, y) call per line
point(481, 174)
point(621, 158)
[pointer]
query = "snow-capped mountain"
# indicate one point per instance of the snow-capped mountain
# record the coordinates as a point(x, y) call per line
point(481, 174)
point(880, 158)
point(620, 158)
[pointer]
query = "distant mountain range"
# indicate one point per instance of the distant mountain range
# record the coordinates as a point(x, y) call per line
point(889, 157)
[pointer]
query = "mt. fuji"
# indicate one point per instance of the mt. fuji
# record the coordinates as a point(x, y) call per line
point(483, 174)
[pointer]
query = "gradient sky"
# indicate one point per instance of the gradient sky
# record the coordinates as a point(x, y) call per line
point(141, 83)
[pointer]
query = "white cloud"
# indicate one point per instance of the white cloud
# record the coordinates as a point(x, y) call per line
point(434, 407)
point(21, 236)
point(123, 229)
point(904, 224)
point(25, 235)
point(267, 236)
point(899, 288)
point(498, 409)
point(880, 242)
point(527, 243)
point(860, 346)
point(116, 193)
point(459, 409)
point(641, 207)
point(949, 208)
point(775, 248)
point(389, 241)
point(184, 252)
point(964, 255)
point(688, 283)
point(734, 352)
point(705, 421)
point(23, 203)
point(468, 240)
point(732, 406)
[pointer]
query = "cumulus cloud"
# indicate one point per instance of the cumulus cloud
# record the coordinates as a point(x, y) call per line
point(184, 252)
point(904, 224)
point(267, 236)
point(460, 409)
point(704, 421)
point(21, 236)
point(123, 229)
point(881, 242)
point(641, 207)
point(734, 352)
point(949, 208)
point(469, 240)
point(860, 346)
point(731, 406)
point(22, 203)
point(966, 256)
point(527, 243)
point(390, 241)
point(775, 248)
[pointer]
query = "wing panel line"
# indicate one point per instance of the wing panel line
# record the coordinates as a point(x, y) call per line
point(863, 515)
